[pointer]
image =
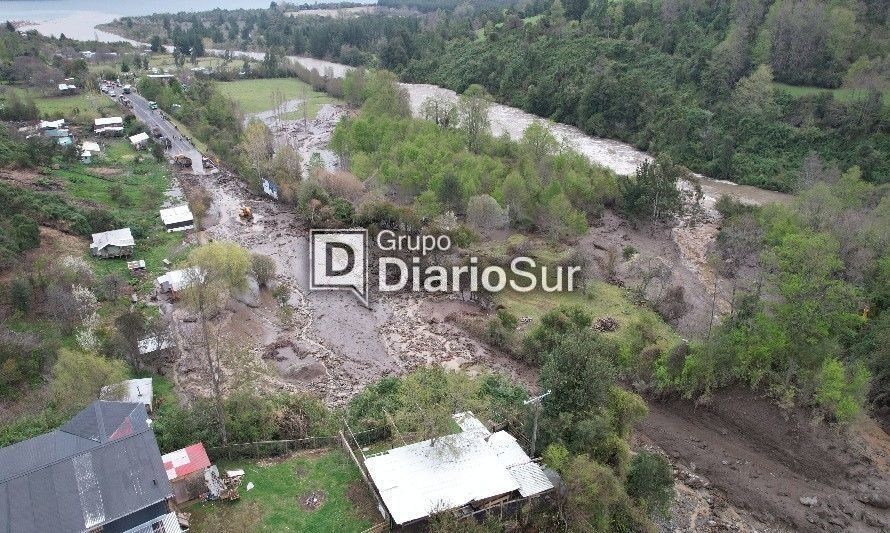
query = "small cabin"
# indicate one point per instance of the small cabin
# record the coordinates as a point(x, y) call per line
point(177, 218)
point(139, 141)
point(115, 243)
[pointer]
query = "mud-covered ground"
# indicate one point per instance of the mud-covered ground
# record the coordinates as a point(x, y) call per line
point(740, 463)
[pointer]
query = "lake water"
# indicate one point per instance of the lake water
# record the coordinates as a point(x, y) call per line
point(78, 18)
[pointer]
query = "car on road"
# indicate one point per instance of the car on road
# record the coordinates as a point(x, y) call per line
point(112, 93)
point(152, 105)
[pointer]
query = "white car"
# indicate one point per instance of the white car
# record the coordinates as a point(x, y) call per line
point(112, 94)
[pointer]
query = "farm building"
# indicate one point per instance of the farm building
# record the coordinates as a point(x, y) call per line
point(177, 218)
point(109, 122)
point(130, 391)
point(100, 471)
point(59, 133)
point(115, 243)
point(187, 472)
point(89, 150)
point(175, 280)
point(47, 125)
point(464, 472)
point(139, 141)
point(110, 131)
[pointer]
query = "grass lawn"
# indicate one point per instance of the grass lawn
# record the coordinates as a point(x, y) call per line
point(166, 61)
point(83, 107)
point(843, 95)
point(254, 96)
point(274, 503)
point(142, 184)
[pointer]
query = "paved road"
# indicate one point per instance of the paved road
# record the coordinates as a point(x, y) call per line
point(152, 118)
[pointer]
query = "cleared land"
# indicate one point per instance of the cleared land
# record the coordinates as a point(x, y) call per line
point(844, 95)
point(319, 490)
point(256, 96)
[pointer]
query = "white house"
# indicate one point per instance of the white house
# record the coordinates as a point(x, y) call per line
point(176, 280)
point(109, 122)
point(114, 243)
point(139, 141)
point(470, 470)
point(177, 218)
point(47, 125)
point(110, 131)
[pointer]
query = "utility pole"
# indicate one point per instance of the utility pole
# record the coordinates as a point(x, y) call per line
point(537, 403)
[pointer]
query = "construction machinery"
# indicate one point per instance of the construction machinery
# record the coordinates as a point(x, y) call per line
point(182, 161)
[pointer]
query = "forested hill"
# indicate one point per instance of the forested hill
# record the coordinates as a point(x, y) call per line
point(742, 90)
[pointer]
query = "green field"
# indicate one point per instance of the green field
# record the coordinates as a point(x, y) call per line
point(599, 299)
point(83, 107)
point(142, 182)
point(274, 503)
point(255, 96)
point(843, 95)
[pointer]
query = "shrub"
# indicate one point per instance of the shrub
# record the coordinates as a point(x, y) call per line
point(650, 482)
point(263, 268)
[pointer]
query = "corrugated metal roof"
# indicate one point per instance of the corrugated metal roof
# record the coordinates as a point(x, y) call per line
point(176, 215)
point(139, 138)
point(109, 121)
point(102, 465)
point(185, 461)
point(118, 237)
point(131, 390)
point(430, 476)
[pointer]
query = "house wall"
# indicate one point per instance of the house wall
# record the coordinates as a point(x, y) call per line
point(113, 251)
point(189, 487)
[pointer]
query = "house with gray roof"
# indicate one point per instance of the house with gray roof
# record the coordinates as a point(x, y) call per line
point(100, 471)
point(114, 243)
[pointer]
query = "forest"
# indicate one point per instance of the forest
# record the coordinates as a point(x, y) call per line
point(737, 91)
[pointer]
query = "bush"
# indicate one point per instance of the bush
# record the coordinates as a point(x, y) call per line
point(841, 393)
point(650, 482)
point(263, 268)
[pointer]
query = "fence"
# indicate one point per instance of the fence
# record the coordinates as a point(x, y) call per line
point(274, 448)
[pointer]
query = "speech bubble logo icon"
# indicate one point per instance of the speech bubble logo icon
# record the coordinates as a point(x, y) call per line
point(338, 260)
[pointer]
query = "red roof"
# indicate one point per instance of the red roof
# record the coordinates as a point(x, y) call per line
point(185, 461)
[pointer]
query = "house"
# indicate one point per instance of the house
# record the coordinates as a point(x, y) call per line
point(115, 243)
point(270, 188)
point(47, 125)
point(139, 141)
point(111, 131)
point(67, 89)
point(130, 391)
point(177, 218)
point(464, 472)
point(108, 122)
point(176, 280)
point(187, 472)
point(88, 150)
point(100, 471)
point(153, 345)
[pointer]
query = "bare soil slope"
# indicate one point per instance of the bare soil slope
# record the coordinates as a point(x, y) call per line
point(783, 467)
